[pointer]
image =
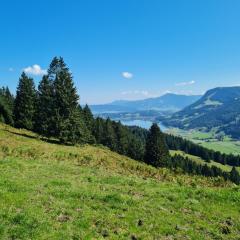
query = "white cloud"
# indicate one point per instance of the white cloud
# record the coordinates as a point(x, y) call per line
point(10, 69)
point(136, 92)
point(185, 83)
point(35, 70)
point(127, 75)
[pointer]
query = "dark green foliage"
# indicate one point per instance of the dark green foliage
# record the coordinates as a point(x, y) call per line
point(109, 137)
point(88, 118)
point(58, 112)
point(191, 167)
point(235, 176)
point(98, 130)
point(118, 138)
point(178, 143)
point(25, 103)
point(188, 166)
point(156, 150)
point(44, 122)
point(5, 113)
point(6, 106)
point(73, 130)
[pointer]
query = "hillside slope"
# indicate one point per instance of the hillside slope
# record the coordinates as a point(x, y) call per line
point(218, 108)
point(50, 191)
point(167, 102)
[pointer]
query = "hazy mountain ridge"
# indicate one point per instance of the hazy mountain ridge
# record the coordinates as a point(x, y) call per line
point(168, 102)
point(219, 108)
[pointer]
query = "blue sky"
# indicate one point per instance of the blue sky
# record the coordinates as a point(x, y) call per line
point(124, 49)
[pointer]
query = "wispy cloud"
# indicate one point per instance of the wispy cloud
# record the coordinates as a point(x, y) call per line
point(185, 83)
point(136, 92)
point(35, 70)
point(10, 69)
point(127, 75)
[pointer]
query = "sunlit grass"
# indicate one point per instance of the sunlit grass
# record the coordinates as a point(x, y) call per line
point(50, 191)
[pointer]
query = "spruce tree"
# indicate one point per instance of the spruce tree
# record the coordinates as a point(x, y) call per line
point(88, 118)
point(44, 122)
point(65, 121)
point(156, 152)
point(5, 112)
point(121, 138)
point(98, 130)
point(109, 137)
point(25, 103)
point(6, 106)
point(235, 176)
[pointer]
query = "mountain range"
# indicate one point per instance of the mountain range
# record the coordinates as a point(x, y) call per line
point(168, 102)
point(218, 108)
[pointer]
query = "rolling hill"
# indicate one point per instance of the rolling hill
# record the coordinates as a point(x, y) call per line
point(52, 191)
point(168, 102)
point(218, 108)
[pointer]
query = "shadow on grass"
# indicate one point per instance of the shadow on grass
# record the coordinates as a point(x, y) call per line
point(54, 141)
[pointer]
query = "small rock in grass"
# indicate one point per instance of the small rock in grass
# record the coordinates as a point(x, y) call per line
point(140, 222)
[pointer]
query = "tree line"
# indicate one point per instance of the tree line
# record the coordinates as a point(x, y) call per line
point(187, 165)
point(178, 143)
point(53, 111)
point(189, 147)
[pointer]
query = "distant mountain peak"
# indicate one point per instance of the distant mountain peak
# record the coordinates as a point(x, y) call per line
point(168, 102)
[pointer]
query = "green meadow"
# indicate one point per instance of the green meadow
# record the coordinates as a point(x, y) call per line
point(51, 191)
point(209, 140)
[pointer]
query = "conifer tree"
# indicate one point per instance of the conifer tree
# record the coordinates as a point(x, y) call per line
point(88, 118)
point(235, 176)
point(44, 122)
point(25, 102)
point(5, 113)
point(109, 138)
point(121, 138)
point(156, 152)
point(6, 106)
point(98, 130)
point(65, 121)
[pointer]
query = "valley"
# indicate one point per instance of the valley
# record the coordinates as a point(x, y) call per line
point(211, 121)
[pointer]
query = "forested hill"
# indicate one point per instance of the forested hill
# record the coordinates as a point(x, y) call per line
point(218, 108)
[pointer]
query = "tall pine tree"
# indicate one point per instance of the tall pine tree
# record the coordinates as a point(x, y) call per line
point(65, 121)
point(235, 176)
point(88, 118)
point(25, 103)
point(44, 122)
point(156, 152)
point(6, 106)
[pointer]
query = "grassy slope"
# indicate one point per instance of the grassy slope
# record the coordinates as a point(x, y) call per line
point(49, 191)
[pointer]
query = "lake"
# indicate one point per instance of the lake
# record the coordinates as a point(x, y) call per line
point(143, 124)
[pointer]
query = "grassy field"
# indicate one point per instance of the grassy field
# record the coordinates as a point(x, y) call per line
point(208, 140)
point(49, 191)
